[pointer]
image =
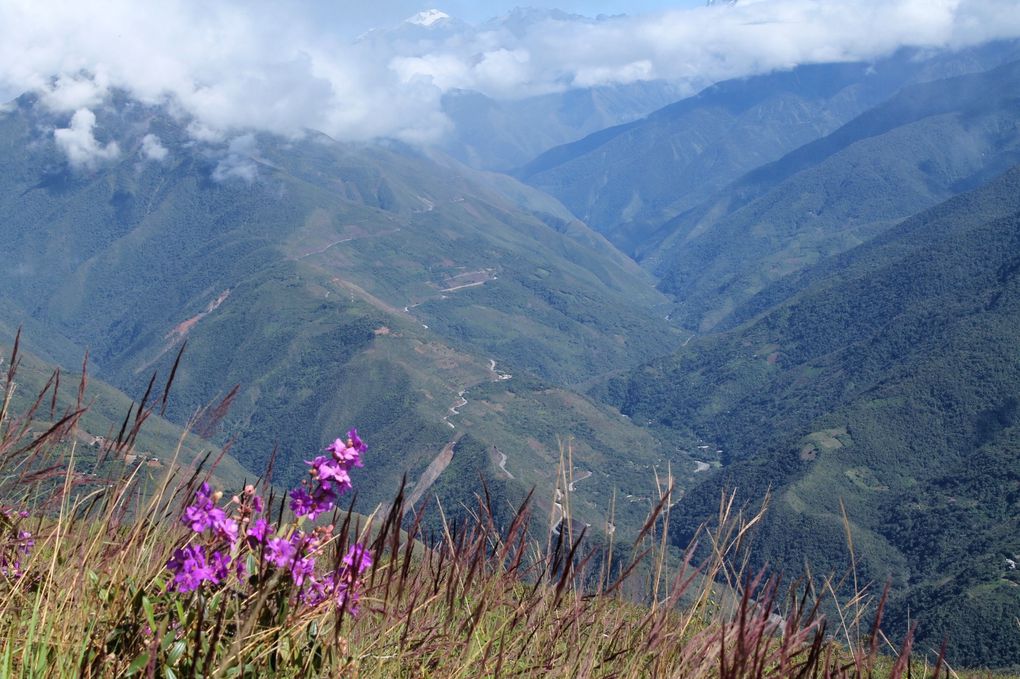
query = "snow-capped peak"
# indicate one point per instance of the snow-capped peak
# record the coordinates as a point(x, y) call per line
point(428, 17)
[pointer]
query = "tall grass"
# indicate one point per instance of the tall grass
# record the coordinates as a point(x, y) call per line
point(93, 597)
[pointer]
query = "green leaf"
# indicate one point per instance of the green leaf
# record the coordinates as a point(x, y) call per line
point(137, 664)
point(149, 614)
point(176, 651)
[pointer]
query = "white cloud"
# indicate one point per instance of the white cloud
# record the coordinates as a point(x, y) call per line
point(237, 66)
point(442, 70)
point(77, 141)
point(202, 132)
point(72, 92)
point(153, 149)
point(240, 160)
point(642, 69)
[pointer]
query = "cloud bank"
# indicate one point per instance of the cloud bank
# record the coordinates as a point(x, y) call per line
point(153, 149)
point(234, 67)
point(79, 143)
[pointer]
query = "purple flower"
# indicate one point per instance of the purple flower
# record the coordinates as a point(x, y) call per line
point(311, 505)
point(204, 493)
point(25, 542)
point(280, 552)
point(197, 516)
point(336, 586)
point(347, 456)
point(13, 546)
point(358, 558)
point(315, 590)
point(347, 597)
point(301, 503)
point(203, 514)
point(220, 565)
point(354, 441)
point(257, 532)
point(190, 569)
point(256, 504)
point(327, 470)
point(223, 526)
point(302, 569)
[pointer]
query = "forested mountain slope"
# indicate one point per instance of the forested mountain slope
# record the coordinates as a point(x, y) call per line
point(338, 285)
point(883, 380)
point(924, 145)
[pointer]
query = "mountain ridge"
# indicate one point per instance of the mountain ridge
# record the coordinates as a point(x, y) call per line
point(627, 182)
point(871, 389)
point(369, 285)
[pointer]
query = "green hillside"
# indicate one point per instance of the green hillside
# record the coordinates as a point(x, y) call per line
point(924, 145)
point(883, 380)
point(159, 443)
point(338, 285)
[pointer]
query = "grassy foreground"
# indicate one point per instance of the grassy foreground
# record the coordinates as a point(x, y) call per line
point(100, 577)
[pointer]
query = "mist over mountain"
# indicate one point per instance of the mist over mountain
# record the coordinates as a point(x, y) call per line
point(501, 135)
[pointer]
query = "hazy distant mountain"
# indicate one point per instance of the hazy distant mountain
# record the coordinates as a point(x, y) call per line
point(924, 145)
point(628, 180)
point(503, 134)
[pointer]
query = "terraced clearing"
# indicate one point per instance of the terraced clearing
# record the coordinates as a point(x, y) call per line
point(822, 441)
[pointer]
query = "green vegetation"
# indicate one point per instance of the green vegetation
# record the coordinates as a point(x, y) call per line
point(881, 388)
point(924, 145)
point(345, 283)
